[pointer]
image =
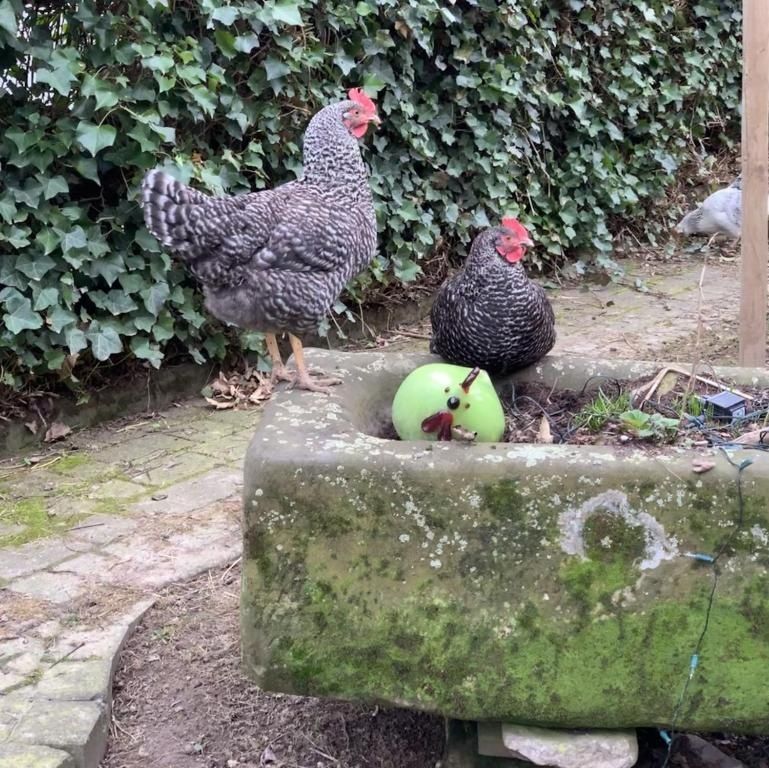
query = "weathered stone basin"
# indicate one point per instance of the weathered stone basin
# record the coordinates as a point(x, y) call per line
point(542, 584)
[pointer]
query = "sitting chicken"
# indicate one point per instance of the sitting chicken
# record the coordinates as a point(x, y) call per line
point(490, 314)
point(275, 261)
point(720, 213)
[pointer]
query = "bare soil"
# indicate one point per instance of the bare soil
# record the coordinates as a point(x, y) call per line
point(182, 701)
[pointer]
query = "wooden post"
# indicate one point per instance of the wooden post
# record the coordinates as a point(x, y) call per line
point(755, 181)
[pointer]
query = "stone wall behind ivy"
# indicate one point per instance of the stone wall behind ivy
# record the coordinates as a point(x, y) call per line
point(573, 113)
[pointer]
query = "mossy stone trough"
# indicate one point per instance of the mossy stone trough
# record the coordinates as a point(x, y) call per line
point(544, 584)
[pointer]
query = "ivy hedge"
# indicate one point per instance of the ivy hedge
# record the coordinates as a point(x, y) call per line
point(575, 113)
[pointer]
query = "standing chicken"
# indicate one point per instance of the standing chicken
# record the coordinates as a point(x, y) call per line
point(490, 314)
point(276, 260)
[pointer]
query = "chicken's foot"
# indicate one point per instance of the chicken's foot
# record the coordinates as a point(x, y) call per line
point(302, 379)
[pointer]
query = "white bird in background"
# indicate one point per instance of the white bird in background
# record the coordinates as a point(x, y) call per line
point(719, 214)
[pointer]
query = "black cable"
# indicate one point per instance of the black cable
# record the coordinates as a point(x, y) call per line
point(694, 662)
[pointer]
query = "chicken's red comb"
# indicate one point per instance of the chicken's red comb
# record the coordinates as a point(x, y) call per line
point(358, 96)
point(511, 223)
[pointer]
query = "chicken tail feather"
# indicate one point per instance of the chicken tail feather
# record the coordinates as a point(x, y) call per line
point(171, 209)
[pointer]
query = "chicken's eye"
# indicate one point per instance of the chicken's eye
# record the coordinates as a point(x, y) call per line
point(453, 402)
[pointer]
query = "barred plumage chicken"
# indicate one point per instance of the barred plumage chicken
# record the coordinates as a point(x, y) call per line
point(490, 314)
point(275, 261)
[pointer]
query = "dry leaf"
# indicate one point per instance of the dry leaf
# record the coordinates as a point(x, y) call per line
point(57, 431)
point(544, 435)
point(268, 757)
point(31, 426)
point(702, 465)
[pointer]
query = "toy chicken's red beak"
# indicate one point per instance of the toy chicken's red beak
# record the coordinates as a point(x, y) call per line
point(439, 422)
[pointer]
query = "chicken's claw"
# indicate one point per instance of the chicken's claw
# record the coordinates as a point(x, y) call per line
point(303, 380)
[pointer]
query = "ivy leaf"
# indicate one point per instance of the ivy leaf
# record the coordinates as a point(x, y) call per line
point(57, 185)
point(287, 12)
point(60, 79)
point(34, 267)
point(20, 315)
point(8, 209)
point(345, 62)
point(74, 242)
point(275, 68)
point(155, 297)
point(204, 98)
point(167, 134)
point(145, 350)
point(48, 297)
point(104, 341)
point(8, 274)
point(108, 267)
point(94, 138)
point(60, 318)
point(118, 303)
point(226, 15)
point(76, 340)
point(105, 93)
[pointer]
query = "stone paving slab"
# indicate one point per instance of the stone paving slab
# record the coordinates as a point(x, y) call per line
point(33, 756)
point(147, 510)
point(76, 727)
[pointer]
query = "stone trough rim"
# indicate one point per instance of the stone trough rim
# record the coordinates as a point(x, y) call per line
point(571, 367)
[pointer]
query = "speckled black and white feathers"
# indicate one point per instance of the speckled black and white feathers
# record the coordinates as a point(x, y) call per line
point(490, 314)
point(275, 260)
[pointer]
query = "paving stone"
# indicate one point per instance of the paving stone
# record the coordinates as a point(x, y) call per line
point(67, 506)
point(204, 547)
point(101, 529)
point(56, 588)
point(21, 655)
point(11, 681)
point(82, 644)
point(174, 469)
point(226, 448)
point(193, 494)
point(30, 557)
point(10, 529)
point(115, 489)
point(33, 756)
point(47, 629)
point(77, 727)
point(141, 449)
point(13, 708)
point(76, 681)
point(90, 565)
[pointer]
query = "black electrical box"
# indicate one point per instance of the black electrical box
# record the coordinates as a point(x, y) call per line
point(725, 406)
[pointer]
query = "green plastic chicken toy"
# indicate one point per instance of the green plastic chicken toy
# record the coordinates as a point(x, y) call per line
point(444, 402)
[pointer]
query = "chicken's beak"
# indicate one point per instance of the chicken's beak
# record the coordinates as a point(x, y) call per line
point(376, 120)
point(440, 423)
point(527, 243)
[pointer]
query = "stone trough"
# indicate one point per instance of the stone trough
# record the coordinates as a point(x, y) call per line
point(548, 585)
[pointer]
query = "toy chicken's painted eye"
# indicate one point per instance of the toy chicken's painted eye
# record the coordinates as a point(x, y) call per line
point(453, 402)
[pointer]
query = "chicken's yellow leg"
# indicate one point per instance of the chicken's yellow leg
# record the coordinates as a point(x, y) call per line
point(303, 378)
point(279, 370)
